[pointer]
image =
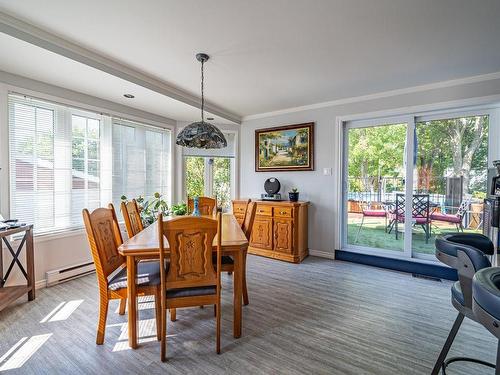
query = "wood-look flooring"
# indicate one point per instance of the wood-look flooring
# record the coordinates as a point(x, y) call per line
point(318, 317)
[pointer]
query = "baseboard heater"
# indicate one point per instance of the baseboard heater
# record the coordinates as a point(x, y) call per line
point(69, 273)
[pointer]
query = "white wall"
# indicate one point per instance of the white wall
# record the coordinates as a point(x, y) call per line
point(323, 191)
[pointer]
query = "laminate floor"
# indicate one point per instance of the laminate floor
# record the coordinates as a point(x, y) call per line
point(319, 317)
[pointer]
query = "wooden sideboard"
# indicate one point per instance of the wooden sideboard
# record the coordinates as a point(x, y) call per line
point(279, 230)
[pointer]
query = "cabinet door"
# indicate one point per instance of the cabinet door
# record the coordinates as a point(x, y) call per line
point(283, 235)
point(262, 233)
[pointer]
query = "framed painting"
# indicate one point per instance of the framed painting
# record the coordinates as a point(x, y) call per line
point(285, 148)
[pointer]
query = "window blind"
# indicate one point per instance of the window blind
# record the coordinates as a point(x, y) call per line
point(141, 160)
point(62, 160)
point(54, 163)
point(33, 174)
point(228, 151)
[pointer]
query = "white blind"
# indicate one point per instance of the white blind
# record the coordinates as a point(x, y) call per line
point(55, 163)
point(228, 151)
point(141, 160)
point(31, 152)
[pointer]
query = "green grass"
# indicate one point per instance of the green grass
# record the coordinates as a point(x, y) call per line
point(373, 235)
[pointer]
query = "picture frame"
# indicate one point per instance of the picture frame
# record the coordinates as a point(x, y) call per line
point(285, 148)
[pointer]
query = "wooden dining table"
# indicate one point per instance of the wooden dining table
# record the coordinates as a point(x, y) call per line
point(144, 245)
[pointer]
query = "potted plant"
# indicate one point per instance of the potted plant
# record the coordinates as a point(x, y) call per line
point(293, 195)
point(149, 209)
point(179, 209)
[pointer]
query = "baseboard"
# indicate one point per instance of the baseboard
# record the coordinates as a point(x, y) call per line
point(40, 284)
point(322, 254)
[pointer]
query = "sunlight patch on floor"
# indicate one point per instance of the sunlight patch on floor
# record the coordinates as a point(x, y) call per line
point(22, 351)
point(62, 312)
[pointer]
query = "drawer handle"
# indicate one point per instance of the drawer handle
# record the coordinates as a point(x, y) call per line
point(282, 212)
point(261, 210)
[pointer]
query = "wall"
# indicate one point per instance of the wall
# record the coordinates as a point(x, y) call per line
point(324, 191)
point(52, 252)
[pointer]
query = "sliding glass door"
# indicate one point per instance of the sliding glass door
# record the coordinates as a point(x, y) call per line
point(409, 179)
point(450, 172)
point(375, 176)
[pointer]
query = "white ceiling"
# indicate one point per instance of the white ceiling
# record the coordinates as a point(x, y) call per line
point(265, 55)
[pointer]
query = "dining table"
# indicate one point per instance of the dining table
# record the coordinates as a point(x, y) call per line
point(145, 245)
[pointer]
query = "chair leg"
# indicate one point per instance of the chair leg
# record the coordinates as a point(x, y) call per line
point(103, 314)
point(173, 315)
point(359, 229)
point(497, 367)
point(163, 341)
point(447, 344)
point(158, 315)
point(245, 290)
point(218, 312)
point(123, 304)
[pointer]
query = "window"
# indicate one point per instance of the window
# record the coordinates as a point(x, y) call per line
point(32, 170)
point(141, 161)
point(211, 172)
point(63, 160)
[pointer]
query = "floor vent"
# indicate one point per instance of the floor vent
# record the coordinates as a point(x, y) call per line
point(69, 273)
point(419, 276)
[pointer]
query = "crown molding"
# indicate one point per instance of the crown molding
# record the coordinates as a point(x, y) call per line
point(51, 42)
point(380, 95)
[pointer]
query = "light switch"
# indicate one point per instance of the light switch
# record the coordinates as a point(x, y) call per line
point(327, 171)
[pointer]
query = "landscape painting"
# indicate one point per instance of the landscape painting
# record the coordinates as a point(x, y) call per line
point(285, 148)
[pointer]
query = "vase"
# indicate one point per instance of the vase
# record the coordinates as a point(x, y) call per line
point(196, 208)
point(294, 197)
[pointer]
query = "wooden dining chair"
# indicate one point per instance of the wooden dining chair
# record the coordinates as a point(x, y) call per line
point(206, 205)
point(191, 279)
point(228, 261)
point(103, 233)
point(132, 217)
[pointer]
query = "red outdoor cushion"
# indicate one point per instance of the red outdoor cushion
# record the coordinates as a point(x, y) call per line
point(374, 213)
point(446, 218)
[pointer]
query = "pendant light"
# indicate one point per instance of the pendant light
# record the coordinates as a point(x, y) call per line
point(201, 134)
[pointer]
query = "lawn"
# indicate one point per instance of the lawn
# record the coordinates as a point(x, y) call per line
point(373, 235)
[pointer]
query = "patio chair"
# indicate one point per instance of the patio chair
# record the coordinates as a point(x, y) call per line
point(457, 218)
point(370, 213)
point(420, 213)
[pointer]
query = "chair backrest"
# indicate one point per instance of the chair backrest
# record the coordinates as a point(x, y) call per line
point(190, 240)
point(249, 219)
point(132, 217)
point(206, 205)
point(420, 206)
point(400, 208)
point(467, 253)
point(464, 206)
point(103, 233)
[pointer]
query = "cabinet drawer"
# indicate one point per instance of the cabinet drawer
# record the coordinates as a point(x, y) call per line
point(264, 210)
point(239, 209)
point(283, 211)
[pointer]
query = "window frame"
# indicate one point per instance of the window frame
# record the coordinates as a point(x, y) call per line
point(208, 175)
point(77, 108)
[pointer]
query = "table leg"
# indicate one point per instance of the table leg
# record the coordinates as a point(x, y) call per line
point(237, 287)
point(132, 302)
point(30, 264)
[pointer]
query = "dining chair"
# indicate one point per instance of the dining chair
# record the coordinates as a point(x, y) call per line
point(457, 218)
point(132, 217)
point(228, 261)
point(190, 279)
point(103, 233)
point(420, 213)
point(206, 205)
point(368, 212)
